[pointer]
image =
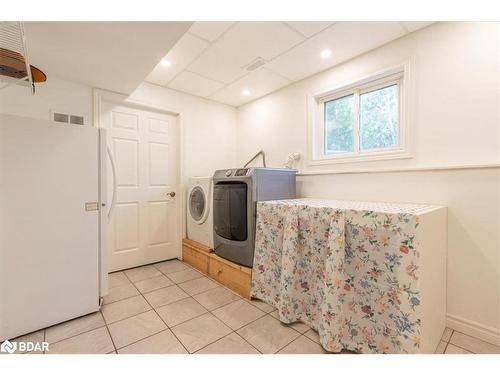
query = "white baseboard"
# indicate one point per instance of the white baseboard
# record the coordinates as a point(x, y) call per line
point(477, 330)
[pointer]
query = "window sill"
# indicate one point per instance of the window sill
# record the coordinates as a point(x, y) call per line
point(359, 158)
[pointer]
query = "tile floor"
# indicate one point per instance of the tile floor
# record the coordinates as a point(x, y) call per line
point(171, 308)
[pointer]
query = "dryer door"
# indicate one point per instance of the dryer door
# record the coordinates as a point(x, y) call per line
point(230, 210)
point(198, 205)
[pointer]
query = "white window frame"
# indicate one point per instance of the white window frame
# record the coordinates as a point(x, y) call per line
point(316, 131)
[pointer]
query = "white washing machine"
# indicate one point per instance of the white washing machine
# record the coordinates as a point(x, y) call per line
point(199, 211)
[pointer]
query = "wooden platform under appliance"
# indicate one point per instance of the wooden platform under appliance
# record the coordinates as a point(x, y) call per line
point(234, 276)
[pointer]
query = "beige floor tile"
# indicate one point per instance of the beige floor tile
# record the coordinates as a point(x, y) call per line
point(198, 285)
point(238, 313)
point(215, 298)
point(452, 349)
point(298, 326)
point(154, 283)
point(181, 311)
point(447, 334)
point(97, 341)
point(262, 305)
point(74, 327)
point(124, 309)
point(201, 331)
point(268, 335)
point(186, 275)
point(313, 335)
point(231, 344)
point(120, 292)
point(35, 337)
point(31, 337)
point(472, 344)
point(441, 347)
point(136, 328)
point(302, 345)
point(117, 279)
point(142, 273)
point(160, 343)
point(165, 296)
point(171, 266)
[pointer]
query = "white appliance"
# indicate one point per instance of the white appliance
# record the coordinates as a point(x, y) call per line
point(52, 223)
point(199, 210)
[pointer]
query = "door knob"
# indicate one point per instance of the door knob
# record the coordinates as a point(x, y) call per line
point(172, 194)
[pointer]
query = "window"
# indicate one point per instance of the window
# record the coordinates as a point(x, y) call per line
point(379, 118)
point(339, 125)
point(361, 121)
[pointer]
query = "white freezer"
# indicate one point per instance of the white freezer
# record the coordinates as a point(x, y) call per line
point(52, 259)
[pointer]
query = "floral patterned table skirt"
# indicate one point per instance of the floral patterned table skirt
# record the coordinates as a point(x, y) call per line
point(350, 270)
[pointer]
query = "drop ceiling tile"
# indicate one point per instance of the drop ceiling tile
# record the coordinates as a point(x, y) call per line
point(309, 28)
point(259, 82)
point(209, 30)
point(345, 39)
point(416, 25)
point(225, 60)
point(181, 55)
point(194, 84)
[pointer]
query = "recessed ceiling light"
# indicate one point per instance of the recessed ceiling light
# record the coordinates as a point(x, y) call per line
point(245, 92)
point(326, 53)
point(166, 63)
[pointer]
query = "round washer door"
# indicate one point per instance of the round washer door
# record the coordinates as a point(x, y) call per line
point(198, 205)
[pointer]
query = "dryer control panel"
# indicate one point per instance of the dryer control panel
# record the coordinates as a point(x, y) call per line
point(241, 172)
point(237, 172)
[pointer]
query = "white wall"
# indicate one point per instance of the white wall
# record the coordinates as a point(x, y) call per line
point(454, 121)
point(209, 127)
point(55, 94)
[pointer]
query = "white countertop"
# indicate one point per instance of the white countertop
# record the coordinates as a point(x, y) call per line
point(390, 208)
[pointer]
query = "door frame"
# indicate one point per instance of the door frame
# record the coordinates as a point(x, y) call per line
point(99, 96)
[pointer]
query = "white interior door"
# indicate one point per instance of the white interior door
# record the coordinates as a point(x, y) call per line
point(143, 226)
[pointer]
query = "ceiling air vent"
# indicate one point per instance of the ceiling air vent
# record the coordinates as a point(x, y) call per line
point(257, 63)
